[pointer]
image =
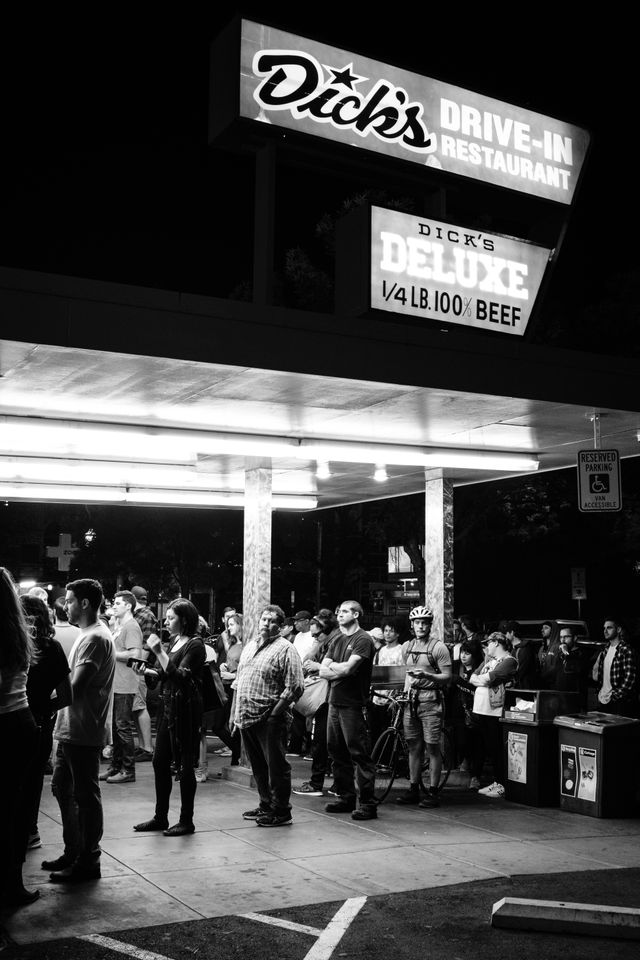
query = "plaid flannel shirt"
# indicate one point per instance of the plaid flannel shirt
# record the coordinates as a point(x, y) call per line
point(147, 623)
point(265, 675)
point(623, 671)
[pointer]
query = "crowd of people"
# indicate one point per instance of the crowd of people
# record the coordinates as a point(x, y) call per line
point(77, 679)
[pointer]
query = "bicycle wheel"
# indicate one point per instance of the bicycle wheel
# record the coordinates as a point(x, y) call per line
point(385, 757)
point(446, 749)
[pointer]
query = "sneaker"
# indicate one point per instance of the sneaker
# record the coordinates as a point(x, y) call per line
point(274, 820)
point(412, 795)
point(60, 863)
point(76, 874)
point(332, 790)
point(110, 772)
point(340, 806)
point(122, 777)
point(34, 841)
point(297, 755)
point(201, 774)
point(143, 756)
point(430, 799)
point(224, 753)
point(494, 790)
point(306, 790)
point(367, 811)
point(308, 759)
point(254, 814)
point(474, 783)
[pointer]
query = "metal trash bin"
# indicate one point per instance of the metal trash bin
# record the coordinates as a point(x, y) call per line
point(530, 742)
point(599, 764)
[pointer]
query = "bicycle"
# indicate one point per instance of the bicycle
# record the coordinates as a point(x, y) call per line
point(391, 753)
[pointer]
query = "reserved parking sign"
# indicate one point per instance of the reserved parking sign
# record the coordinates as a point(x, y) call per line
point(599, 488)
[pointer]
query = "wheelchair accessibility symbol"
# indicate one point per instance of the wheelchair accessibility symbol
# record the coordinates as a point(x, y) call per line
point(598, 483)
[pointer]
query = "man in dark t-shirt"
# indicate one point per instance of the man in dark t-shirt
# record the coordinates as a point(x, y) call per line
point(347, 666)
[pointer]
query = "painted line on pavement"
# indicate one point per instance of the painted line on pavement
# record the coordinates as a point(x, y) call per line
point(119, 947)
point(335, 929)
point(286, 924)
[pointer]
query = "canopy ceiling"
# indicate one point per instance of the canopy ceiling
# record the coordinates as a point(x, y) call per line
point(184, 426)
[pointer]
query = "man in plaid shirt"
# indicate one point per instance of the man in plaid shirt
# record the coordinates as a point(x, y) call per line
point(616, 674)
point(268, 681)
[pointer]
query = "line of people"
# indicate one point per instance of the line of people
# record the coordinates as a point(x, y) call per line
point(310, 673)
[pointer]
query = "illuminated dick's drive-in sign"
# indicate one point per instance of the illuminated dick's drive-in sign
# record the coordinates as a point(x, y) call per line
point(309, 87)
point(425, 268)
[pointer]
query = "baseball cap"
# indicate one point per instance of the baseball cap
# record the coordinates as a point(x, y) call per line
point(139, 593)
point(302, 615)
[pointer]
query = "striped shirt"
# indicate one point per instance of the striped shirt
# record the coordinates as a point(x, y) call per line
point(265, 675)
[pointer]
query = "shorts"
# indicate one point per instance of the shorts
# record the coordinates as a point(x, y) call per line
point(423, 723)
point(140, 697)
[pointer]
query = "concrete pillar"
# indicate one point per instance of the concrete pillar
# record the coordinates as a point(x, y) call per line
point(256, 588)
point(439, 551)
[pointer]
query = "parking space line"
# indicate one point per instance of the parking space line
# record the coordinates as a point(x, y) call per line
point(119, 947)
point(335, 929)
point(286, 924)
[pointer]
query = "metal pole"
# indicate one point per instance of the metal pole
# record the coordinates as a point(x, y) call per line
point(319, 563)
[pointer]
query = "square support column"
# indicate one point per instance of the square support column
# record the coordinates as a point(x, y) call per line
point(439, 552)
point(256, 587)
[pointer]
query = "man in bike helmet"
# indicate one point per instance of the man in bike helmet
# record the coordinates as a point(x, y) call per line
point(428, 673)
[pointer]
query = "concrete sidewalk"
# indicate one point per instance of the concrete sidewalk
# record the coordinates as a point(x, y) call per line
point(231, 866)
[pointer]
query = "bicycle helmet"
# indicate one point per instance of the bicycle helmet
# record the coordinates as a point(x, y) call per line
point(421, 613)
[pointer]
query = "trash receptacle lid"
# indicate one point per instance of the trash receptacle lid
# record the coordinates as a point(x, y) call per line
point(595, 721)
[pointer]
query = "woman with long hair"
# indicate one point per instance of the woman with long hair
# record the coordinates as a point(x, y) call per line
point(179, 719)
point(222, 661)
point(18, 739)
point(48, 674)
point(468, 735)
point(548, 654)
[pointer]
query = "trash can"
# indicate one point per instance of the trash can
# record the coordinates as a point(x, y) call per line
point(530, 742)
point(599, 762)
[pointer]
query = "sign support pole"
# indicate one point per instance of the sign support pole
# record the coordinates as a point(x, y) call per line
point(264, 225)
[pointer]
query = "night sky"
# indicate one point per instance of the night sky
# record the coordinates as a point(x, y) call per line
point(110, 171)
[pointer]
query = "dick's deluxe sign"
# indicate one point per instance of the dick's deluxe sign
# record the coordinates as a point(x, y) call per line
point(300, 85)
point(440, 271)
point(436, 271)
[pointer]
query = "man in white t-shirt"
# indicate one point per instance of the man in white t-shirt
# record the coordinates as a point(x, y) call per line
point(128, 643)
point(303, 640)
point(80, 731)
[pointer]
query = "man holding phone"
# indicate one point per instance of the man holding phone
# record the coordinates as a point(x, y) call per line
point(428, 673)
point(128, 643)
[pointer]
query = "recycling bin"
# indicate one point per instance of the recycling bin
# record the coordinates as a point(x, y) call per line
point(530, 743)
point(599, 762)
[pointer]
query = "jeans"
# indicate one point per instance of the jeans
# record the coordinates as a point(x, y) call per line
point(348, 743)
point(76, 788)
point(491, 731)
point(162, 761)
point(319, 754)
point(35, 779)
point(18, 739)
point(123, 742)
point(265, 744)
